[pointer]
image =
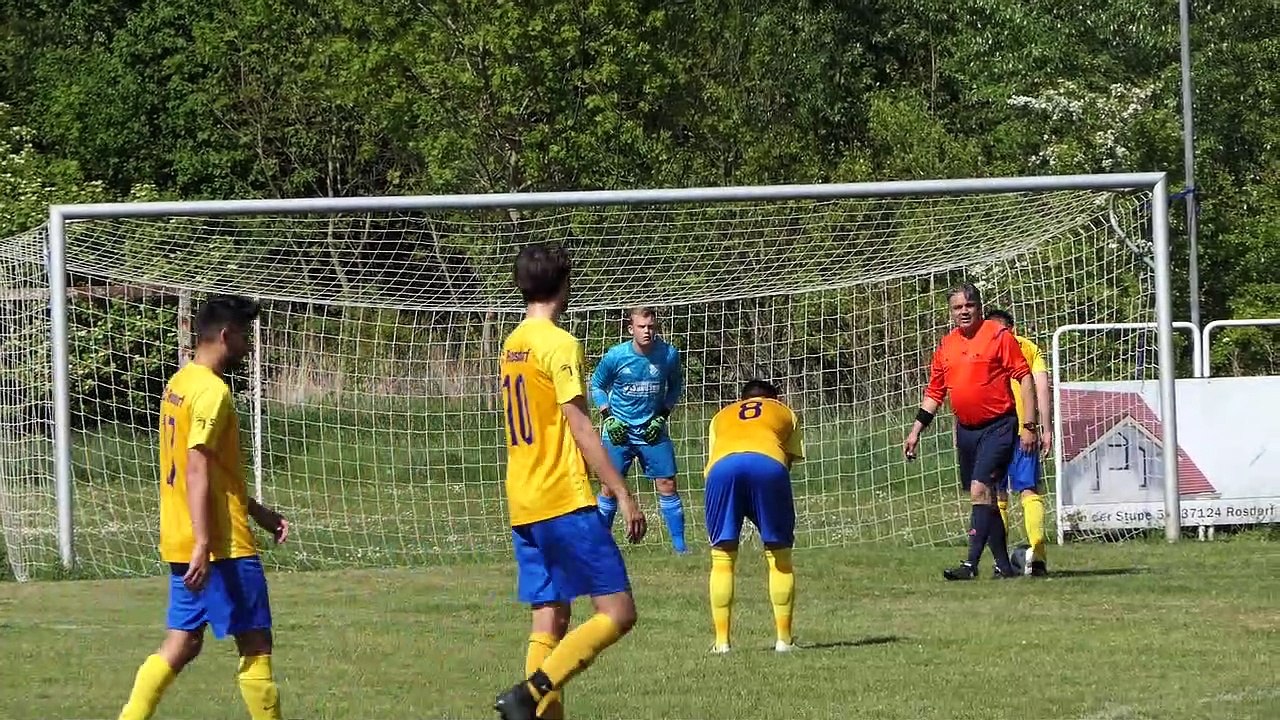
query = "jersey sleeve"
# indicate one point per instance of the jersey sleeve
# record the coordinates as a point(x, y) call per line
point(602, 380)
point(795, 441)
point(1036, 359)
point(937, 388)
point(210, 411)
point(1010, 354)
point(563, 364)
point(675, 380)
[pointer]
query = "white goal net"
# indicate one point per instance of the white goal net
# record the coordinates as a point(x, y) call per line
point(370, 409)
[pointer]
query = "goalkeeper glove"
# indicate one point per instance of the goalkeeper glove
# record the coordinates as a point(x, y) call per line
point(614, 428)
point(653, 430)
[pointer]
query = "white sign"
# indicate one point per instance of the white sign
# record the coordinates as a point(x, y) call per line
point(1111, 472)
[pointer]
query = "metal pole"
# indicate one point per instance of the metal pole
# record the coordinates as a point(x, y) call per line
point(257, 407)
point(59, 341)
point(1164, 321)
point(1189, 162)
point(655, 196)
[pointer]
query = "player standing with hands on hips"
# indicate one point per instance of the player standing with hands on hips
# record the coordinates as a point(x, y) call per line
point(975, 364)
point(636, 385)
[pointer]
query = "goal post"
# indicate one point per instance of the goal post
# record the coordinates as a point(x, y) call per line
point(772, 279)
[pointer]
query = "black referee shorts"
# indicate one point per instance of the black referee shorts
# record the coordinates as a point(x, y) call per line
point(985, 451)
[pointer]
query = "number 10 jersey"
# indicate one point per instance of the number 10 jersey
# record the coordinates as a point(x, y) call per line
point(541, 368)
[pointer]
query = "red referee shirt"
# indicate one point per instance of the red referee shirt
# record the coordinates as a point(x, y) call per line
point(977, 372)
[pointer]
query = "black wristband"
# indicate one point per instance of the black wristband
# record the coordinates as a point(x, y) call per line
point(924, 417)
point(605, 414)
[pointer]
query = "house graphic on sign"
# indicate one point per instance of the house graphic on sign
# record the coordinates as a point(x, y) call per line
point(1111, 451)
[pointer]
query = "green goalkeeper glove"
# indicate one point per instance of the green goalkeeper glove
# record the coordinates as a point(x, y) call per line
point(614, 428)
point(653, 430)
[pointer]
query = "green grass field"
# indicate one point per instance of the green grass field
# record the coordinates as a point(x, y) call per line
point(1133, 631)
point(399, 482)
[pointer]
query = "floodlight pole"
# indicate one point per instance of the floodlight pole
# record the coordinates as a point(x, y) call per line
point(1189, 162)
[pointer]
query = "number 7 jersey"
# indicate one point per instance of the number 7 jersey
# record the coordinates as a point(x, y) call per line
point(541, 368)
point(197, 410)
point(760, 425)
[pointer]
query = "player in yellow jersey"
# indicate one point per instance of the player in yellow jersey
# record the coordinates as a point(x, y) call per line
point(753, 443)
point(1025, 477)
point(563, 549)
point(215, 576)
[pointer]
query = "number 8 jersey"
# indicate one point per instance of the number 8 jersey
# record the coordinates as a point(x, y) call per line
point(196, 409)
point(759, 425)
point(541, 369)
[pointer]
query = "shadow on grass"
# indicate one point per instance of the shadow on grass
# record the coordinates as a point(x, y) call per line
point(1100, 572)
point(860, 642)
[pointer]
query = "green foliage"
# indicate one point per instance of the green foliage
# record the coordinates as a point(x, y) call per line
point(268, 98)
point(121, 354)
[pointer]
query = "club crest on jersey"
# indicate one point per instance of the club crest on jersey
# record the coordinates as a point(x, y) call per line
point(653, 370)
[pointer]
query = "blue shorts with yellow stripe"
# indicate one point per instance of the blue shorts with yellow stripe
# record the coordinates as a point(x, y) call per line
point(1024, 470)
point(233, 600)
point(750, 486)
point(567, 556)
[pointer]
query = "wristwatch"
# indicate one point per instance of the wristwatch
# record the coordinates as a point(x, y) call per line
point(1031, 426)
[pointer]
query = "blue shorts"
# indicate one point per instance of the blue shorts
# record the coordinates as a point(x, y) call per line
point(753, 487)
point(984, 452)
point(1024, 470)
point(566, 557)
point(233, 600)
point(658, 461)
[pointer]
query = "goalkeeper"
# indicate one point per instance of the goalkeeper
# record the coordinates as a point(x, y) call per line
point(636, 385)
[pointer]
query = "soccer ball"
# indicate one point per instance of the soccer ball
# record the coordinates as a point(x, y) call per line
point(1020, 558)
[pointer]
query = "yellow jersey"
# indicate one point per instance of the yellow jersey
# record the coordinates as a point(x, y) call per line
point(197, 410)
point(541, 368)
point(1035, 360)
point(761, 425)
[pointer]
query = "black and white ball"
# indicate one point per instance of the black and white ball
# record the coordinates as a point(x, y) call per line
point(1020, 558)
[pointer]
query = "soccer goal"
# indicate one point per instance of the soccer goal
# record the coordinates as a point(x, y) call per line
point(369, 406)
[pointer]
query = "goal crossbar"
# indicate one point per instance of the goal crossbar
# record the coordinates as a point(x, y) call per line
point(61, 215)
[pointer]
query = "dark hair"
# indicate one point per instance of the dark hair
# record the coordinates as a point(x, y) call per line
point(222, 311)
point(759, 388)
point(1003, 316)
point(541, 271)
point(970, 292)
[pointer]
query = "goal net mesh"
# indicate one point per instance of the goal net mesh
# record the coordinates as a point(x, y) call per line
point(369, 408)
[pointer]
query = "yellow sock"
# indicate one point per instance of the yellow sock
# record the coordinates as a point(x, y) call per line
point(576, 651)
point(1033, 516)
point(722, 592)
point(258, 688)
point(782, 590)
point(1004, 511)
point(550, 707)
point(152, 679)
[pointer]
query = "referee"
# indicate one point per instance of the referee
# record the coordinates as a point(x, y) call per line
point(975, 364)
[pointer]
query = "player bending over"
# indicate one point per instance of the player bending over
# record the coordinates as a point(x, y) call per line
point(215, 577)
point(562, 549)
point(636, 385)
point(1025, 470)
point(753, 443)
